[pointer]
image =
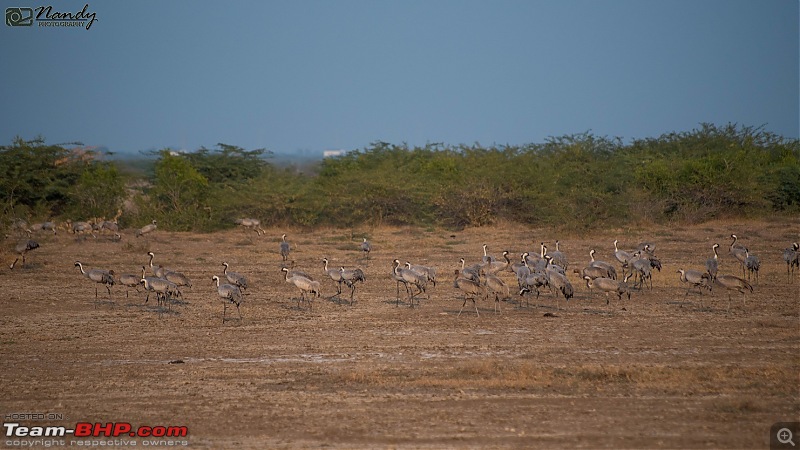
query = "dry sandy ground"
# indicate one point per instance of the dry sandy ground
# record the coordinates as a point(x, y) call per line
point(655, 372)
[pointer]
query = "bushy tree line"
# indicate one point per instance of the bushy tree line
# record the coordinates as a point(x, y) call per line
point(573, 181)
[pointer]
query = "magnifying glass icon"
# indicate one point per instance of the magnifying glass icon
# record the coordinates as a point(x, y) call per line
point(785, 436)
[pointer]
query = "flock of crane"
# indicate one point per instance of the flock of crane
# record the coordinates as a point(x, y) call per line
point(534, 271)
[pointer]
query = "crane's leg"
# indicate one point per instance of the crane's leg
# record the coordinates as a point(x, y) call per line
point(475, 304)
point(462, 305)
point(224, 309)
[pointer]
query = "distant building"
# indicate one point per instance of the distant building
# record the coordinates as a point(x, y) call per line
point(333, 153)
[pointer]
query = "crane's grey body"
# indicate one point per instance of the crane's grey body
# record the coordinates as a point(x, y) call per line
point(366, 247)
point(428, 272)
point(22, 248)
point(99, 276)
point(164, 289)
point(696, 279)
point(284, 248)
point(498, 287)
point(752, 264)
point(333, 274)
point(559, 258)
point(305, 285)
point(560, 284)
point(471, 289)
point(130, 281)
point(712, 264)
point(350, 277)
point(229, 294)
point(612, 271)
point(412, 280)
point(622, 256)
point(149, 228)
point(83, 228)
point(608, 286)
point(234, 278)
point(739, 252)
point(253, 224)
point(45, 226)
point(734, 283)
point(791, 256)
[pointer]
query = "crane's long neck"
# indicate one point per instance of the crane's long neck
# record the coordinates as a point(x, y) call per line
point(151, 260)
point(591, 254)
point(543, 251)
point(325, 264)
point(225, 270)
point(508, 260)
point(484, 250)
point(143, 272)
point(462, 263)
point(616, 249)
point(216, 280)
point(80, 266)
point(733, 244)
point(715, 252)
point(557, 247)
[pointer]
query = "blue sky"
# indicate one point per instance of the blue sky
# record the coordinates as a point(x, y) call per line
point(339, 74)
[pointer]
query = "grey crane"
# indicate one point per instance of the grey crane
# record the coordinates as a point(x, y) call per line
point(471, 272)
point(559, 258)
point(253, 224)
point(560, 283)
point(486, 257)
point(521, 268)
point(496, 286)
point(712, 264)
point(284, 248)
point(494, 267)
point(45, 226)
point(412, 279)
point(595, 272)
point(791, 256)
point(696, 279)
point(608, 285)
point(164, 289)
point(234, 278)
point(622, 256)
point(366, 247)
point(99, 276)
point(229, 294)
point(82, 228)
point(612, 271)
point(537, 261)
point(350, 277)
point(22, 248)
point(734, 283)
point(646, 247)
point(333, 274)
point(739, 252)
point(150, 282)
point(641, 268)
point(426, 271)
point(305, 285)
point(471, 289)
point(159, 271)
point(398, 279)
point(179, 279)
point(752, 264)
point(130, 281)
point(532, 282)
point(297, 272)
point(149, 228)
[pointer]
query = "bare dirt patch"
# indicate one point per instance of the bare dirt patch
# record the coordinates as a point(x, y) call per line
point(656, 371)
